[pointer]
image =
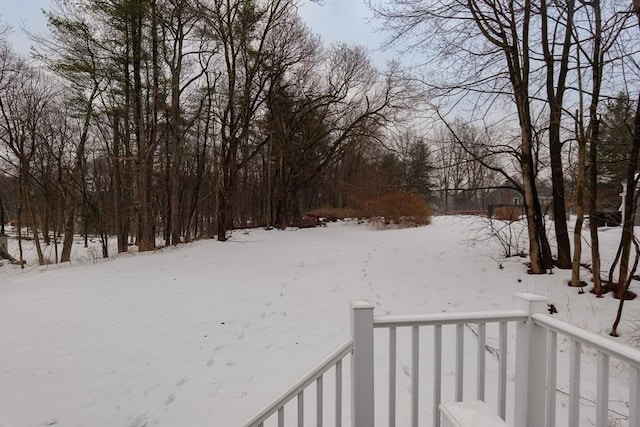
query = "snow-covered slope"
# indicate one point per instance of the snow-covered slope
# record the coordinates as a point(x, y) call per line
point(207, 333)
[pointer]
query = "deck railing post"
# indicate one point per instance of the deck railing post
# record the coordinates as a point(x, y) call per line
point(362, 397)
point(531, 344)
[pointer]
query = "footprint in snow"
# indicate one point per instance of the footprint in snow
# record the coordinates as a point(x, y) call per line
point(211, 362)
point(185, 379)
point(140, 420)
point(406, 370)
point(216, 389)
point(170, 399)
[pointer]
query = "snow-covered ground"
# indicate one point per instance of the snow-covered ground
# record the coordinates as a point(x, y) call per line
point(208, 333)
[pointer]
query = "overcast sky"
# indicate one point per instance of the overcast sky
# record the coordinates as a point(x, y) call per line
point(334, 20)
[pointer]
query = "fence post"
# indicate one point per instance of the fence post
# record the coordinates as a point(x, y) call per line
point(531, 354)
point(362, 400)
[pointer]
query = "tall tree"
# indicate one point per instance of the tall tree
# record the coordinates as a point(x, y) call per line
point(630, 197)
point(70, 52)
point(242, 28)
point(562, 21)
point(623, 287)
point(25, 97)
point(178, 21)
point(497, 35)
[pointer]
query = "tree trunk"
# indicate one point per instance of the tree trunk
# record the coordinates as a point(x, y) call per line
point(33, 217)
point(176, 70)
point(629, 207)
point(559, 201)
point(529, 205)
point(121, 220)
point(624, 287)
point(69, 229)
point(226, 190)
point(146, 144)
point(593, 229)
point(1, 217)
point(594, 139)
point(555, 94)
point(577, 231)
point(77, 178)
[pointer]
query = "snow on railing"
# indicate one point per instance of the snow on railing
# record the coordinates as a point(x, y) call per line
point(297, 391)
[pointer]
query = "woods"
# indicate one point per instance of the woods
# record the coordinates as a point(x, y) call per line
point(164, 121)
point(172, 120)
point(549, 68)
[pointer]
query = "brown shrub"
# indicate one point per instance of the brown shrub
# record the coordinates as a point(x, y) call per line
point(398, 207)
point(508, 213)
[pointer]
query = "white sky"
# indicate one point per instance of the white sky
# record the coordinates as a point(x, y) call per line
point(23, 14)
point(334, 20)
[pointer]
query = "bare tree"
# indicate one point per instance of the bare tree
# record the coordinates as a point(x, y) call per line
point(623, 287)
point(555, 88)
point(497, 36)
point(242, 29)
point(25, 95)
point(468, 164)
point(70, 52)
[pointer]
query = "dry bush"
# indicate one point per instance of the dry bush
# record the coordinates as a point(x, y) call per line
point(398, 207)
point(508, 213)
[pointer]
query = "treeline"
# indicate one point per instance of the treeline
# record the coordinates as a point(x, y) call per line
point(184, 119)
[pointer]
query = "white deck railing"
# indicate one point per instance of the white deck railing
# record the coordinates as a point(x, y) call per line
point(605, 349)
point(315, 375)
point(437, 322)
point(534, 397)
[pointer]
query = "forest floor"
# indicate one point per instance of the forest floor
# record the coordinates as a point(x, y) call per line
point(208, 333)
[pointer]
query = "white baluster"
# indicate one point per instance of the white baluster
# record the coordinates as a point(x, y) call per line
point(552, 369)
point(319, 402)
point(574, 384)
point(301, 409)
point(392, 376)
point(339, 393)
point(437, 374)
point(459, 360)
point(634, 396)
point(415, 373)
point(602, 394)
point(482, 342)
point(502, 374)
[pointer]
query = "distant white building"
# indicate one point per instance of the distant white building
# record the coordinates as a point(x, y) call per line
point(636, 218)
